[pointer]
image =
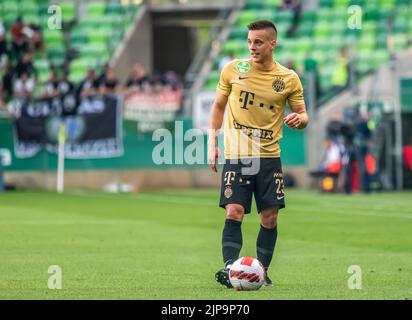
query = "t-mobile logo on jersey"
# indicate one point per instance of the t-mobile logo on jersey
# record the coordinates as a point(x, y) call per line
point(229, 177)
point(247, 98)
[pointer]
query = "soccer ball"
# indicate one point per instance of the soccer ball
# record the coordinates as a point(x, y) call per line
point(247, 274)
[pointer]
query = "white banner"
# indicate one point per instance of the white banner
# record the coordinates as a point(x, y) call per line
point(152, 110)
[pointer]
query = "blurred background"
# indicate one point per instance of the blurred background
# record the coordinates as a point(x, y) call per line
point(113, 72)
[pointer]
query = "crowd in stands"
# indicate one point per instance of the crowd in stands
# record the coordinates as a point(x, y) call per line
point(19, 77)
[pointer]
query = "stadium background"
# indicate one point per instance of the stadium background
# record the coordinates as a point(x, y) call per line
point(181, 44)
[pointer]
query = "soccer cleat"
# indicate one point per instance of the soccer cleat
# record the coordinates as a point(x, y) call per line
point(266, 281)
point(222, 276)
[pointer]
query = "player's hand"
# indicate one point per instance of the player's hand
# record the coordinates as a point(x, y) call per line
point(293, 120)
point(213, 153)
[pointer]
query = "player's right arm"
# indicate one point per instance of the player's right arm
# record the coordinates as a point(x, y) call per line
point(216, 119)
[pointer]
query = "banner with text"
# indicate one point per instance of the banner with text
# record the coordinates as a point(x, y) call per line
point(93, 126)
point(152, 110)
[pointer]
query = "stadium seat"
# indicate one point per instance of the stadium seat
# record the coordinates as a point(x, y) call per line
point(254, 4)
point(68, 11)
point(95, 9)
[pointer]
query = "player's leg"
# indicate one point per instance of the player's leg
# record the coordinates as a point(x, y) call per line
point(236, 198)
point(232, 234)
point(270, 198)
point(266, 240)
point(231, 241)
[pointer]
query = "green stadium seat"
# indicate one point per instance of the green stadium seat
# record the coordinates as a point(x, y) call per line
point(270, 4)
point(254, 4)
point(99, 36)
point(326, 3)
point(10, 8)
point(379, 57)
point(304, 44)
point(341, 3)
point(68, 11)
point(78, 68)
point(387, 3)
point(93, 51)
point(325, 15)
point(115, 8)
point(284, 16)
point(28, 8)
point(53, 37)
point(366, 43)
point(247, 16)
point(401, 24)
point(95, 9)
point(322, 29)
point(400, 42)
point(239, 33)
point(31, 18)
point(309, 16)
point(234, 46)
point(56, 55)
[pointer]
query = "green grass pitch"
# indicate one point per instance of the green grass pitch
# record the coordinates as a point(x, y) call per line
point(166, 245)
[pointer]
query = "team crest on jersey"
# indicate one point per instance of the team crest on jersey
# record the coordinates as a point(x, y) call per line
point(278, 85)
point(243, 67)
point(228, 192)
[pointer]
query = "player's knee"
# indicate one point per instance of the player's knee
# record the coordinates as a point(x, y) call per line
point(269, 218)
point(234, 212)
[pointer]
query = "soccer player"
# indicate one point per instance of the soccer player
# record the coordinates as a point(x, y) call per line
point(256, 91)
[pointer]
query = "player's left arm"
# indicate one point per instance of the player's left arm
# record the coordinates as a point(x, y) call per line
point(298, 119)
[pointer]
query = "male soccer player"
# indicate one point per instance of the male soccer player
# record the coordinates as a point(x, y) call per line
point(256, 91)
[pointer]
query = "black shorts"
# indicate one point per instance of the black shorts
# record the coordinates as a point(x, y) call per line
point(262, 177)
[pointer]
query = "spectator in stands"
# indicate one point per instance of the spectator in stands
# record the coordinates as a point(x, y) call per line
point(362, 147)
point(102, 77)
point(340, 76)
point(296, 7)
point(65, 85)
point(51, 85)
point(157, 81)
point(332, 162)
point(173, 81)
point(89, 86)
point(110, 84)
point(34, 37)
point(25, 65)
point(23, 86)
point(226, 59)
point(7, 83)
point(310, 67)
point(18, 39)
point(138, 79)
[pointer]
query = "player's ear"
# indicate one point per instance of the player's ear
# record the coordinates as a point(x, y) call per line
point(273, 43)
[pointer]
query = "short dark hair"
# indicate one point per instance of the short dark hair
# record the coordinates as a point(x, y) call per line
point(262, 25)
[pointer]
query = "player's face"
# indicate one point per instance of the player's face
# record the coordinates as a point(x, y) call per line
point(260, 45)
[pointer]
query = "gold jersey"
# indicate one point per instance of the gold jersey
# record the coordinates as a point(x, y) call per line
point(256, 104)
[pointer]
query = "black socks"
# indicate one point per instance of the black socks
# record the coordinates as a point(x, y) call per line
point(231, 241)
point(265, 245)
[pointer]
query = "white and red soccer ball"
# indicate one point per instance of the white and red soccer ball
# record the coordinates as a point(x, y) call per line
point(247, 274)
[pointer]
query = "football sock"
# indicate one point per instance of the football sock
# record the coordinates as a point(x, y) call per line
point(265, 245)
point(231, 241)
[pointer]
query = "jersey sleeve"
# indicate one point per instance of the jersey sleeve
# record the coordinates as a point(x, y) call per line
point(224, 86)
point(295, 98)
